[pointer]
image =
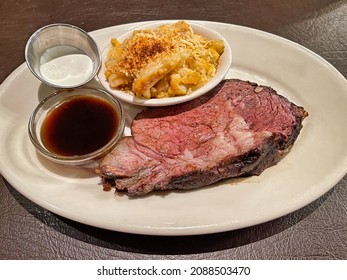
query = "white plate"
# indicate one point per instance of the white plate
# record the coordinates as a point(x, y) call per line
point(316, 163)
point(222, 69)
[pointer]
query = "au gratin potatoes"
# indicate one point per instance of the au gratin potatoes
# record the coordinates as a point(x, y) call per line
point(170, 60)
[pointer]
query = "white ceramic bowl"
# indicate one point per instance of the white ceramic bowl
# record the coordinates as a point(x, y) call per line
point(222, 68)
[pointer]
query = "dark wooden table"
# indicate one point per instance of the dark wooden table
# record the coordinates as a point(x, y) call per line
point(317, 231)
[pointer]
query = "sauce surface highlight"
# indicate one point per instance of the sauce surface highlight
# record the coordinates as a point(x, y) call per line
point(78, 126)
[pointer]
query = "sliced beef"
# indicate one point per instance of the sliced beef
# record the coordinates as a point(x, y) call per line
point(237, 129)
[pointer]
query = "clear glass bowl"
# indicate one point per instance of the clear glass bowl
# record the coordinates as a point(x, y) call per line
point(62, 55)
point(46, 106)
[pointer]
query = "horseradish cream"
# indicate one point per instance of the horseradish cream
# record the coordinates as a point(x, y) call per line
point(67, 70)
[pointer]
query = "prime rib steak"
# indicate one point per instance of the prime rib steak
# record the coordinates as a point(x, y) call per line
point(237, 129)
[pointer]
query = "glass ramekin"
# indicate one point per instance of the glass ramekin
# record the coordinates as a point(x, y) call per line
point(57, 98)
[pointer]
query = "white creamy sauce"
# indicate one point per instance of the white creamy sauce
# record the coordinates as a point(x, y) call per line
point(67, 70)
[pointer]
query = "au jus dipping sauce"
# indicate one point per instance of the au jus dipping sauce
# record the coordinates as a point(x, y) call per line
point(79, 126)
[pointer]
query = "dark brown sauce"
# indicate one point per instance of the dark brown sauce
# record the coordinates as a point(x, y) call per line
point(79, 126)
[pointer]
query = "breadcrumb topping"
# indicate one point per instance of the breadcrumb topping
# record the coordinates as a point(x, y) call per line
point(168, 61)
